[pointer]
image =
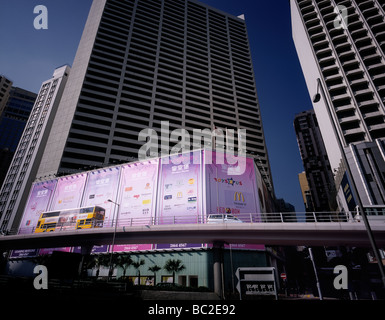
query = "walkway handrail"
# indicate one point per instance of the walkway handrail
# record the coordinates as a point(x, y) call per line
point(271, 217)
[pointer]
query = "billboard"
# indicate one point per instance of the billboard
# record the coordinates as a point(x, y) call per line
point(95, 249)
point(69, 191)
point(39, 199)
point(131, 247)
point(180, 189)
point(102, 185)
point(138, 189)
point(178, 245)
point(173, 190)
point(229, 191)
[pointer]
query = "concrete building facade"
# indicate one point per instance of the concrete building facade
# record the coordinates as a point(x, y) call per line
point(142, 62)
point(315, 161)
point(24, 165)
point(341, 48)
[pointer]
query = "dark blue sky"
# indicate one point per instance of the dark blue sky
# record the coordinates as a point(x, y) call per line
point(29, 56)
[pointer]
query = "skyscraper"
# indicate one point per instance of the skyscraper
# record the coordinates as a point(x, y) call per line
point(341, 48)
point(141, 62)
point(24, 165)
point(5, 88)
point(15, 116)
point(18, 104)
point(315, 161)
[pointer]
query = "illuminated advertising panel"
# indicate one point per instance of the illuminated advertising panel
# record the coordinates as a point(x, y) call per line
point(179, 196)
point(178, 245)
point(131, 247)
point(39, 198)
point(137, 197)
point(230, 190)
point(68, 193)
point(45, 251)
point(102, 185)
point(95, 249)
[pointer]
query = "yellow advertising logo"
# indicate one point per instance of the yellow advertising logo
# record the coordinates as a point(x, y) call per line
point(179, 195)
point(146, 201)
point(238, 196)
point(191, 181)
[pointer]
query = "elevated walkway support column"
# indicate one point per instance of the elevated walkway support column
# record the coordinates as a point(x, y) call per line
point(218, 268)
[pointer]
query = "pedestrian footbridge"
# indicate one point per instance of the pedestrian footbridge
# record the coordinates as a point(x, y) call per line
point(284, 229)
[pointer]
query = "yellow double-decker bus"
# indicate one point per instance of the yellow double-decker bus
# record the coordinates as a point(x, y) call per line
point(71, 219)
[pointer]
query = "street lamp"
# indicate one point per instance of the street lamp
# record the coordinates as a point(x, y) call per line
point(113, 238)
point(317, 98)
point(316, 274)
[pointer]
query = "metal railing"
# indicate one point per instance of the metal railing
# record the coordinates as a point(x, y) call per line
point(274, 217)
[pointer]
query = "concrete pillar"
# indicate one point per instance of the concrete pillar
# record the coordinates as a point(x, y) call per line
point(218, 268)
point(85, 251)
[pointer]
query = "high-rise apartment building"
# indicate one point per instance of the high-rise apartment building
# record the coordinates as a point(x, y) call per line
point(341, 48)
point(5, 88)
point(141, 62)
point(315, 161)
point(13, 119)
point(305, 190)
point(25, 163)
point(15, 116)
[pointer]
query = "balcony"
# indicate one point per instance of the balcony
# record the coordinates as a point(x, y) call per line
point(359, 93)
point(344, 108)
point(378, 27)
point(359, 32)
point(346, 120)
point(323, 43)
point(315, 29)
point(367, 103)
point(353, 131)
point(312, 23)
point(380, 88)
point(375, 127)
point(379, 76)
point(326, 60)
point(349, 63)
point(371, 57)
point(337, 87)
point(370, 12)
point(331, 69)
point(333, 77)
point(341, 97)
point(358, 81)
point(323, 50)
point(373, 114)
point(367, 47)
point(309, 15)
point(365, 4)
point(377, 66)
point(354, 72)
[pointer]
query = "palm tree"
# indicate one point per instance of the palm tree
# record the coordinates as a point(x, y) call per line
point(174, 266)
point(155, 268)
point(124, 262)
point(137, 265)
point(100, 260)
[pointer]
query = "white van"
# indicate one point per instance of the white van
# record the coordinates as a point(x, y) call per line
point(222, 218)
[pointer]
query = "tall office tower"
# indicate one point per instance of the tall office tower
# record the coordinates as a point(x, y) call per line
point(5, 153)
point(315, 161)
point(12, 122)
point(305, 190)
point(5, 88)
point(341, 49)
point(25, 163)
point(140, 62)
